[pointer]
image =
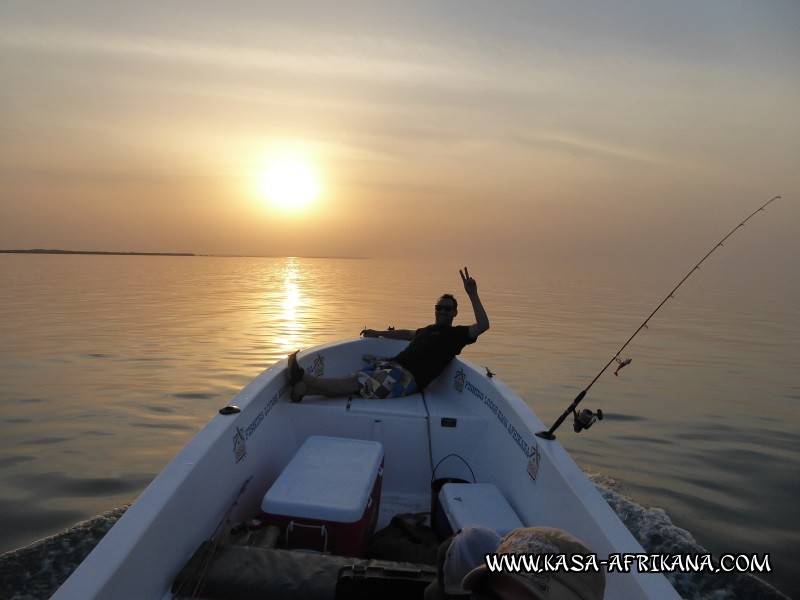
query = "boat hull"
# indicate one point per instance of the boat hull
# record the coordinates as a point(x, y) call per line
point(467, 426)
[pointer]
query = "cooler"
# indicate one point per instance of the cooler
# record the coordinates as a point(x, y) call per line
point(327, 498)
point(465, 504)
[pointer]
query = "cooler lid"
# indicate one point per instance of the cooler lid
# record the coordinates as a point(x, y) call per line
point(329, 479)
point(478, 504)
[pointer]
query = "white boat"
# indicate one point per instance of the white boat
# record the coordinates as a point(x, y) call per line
point(468, 417)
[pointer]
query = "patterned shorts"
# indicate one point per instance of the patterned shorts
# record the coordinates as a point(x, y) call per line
point(385, 380)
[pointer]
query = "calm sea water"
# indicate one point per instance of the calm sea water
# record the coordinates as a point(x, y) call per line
point(110, 364)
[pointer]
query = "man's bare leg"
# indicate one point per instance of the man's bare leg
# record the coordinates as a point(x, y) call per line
point(332, 386)
point(304, 383)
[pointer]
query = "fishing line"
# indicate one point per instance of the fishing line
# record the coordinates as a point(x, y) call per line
point(586, 418)
point(196, 569)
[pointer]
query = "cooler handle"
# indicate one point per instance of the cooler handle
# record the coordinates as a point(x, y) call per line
point(322, 531)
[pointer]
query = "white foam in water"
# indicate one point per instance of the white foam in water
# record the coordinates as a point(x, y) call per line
point(657, 534)
point(38, 570)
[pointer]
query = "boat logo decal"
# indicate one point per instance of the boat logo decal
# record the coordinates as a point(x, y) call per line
point(239, 447)
point(460, 378)
point(529, 449)
point(318, 368)
point(242, 436)
point(533, 464)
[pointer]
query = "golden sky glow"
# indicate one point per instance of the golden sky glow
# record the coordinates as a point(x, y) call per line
point(553, 130)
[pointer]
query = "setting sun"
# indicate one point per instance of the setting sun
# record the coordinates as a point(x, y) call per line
point(289, 184)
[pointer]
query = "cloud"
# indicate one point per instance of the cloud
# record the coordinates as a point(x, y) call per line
point(511, 120)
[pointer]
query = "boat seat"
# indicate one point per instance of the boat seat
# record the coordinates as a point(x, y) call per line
point(408, 406)
point(463, 504)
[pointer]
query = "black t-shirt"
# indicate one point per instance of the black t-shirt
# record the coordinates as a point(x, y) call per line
point(431, 350)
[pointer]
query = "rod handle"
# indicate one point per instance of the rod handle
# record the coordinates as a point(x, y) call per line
point(549, 434)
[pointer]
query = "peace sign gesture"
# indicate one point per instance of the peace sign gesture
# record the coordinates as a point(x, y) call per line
point(470, 285)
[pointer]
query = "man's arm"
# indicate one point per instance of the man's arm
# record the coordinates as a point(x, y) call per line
point(481, 318)
point(392, 334)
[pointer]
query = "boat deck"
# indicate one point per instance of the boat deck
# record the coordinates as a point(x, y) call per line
point(245, 564)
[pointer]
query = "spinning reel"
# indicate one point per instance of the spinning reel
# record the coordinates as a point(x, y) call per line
point(585, 418)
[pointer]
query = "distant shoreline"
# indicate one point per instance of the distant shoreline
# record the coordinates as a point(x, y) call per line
point(109, 253)
point(43, 251)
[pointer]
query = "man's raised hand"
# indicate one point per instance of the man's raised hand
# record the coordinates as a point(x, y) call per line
point(470, 285)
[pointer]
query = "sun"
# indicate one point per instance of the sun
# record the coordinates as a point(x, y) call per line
point(289, 184)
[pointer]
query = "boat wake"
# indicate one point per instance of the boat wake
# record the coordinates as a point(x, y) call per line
point(657, 534)
point(38, 570)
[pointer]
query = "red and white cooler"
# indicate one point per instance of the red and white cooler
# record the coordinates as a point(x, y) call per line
point(327, 498)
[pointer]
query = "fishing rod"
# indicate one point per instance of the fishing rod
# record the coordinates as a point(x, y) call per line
point(586, 418)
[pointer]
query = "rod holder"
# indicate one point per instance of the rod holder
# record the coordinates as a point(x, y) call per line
point(550, 433)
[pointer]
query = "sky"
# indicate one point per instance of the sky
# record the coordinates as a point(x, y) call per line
point(570, 130)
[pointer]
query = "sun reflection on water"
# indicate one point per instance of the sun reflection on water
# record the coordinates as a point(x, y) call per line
point(291, 298)
point(294, 304)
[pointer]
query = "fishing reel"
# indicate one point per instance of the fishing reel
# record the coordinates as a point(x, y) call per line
point(585, 418)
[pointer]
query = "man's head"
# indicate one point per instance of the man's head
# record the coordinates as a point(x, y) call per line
point(446, 309)
point(543, 585)
point(458, 555)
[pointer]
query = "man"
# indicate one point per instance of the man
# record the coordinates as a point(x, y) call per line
point(457, 556)
point(430, 351)
point(545, 584)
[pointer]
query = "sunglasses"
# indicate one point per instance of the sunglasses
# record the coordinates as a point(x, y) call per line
point(442, 308)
